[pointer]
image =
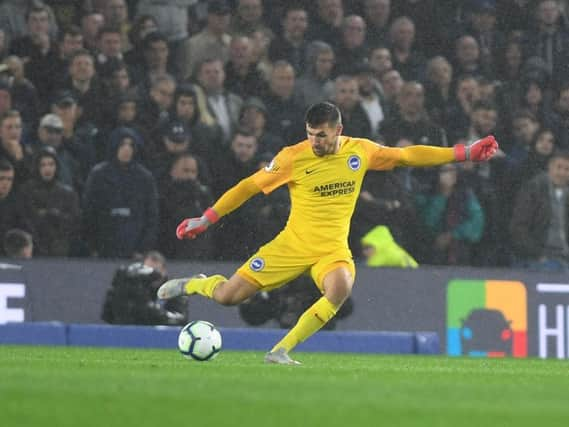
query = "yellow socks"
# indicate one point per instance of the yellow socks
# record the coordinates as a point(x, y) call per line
point(310, 322)
point(205, 287)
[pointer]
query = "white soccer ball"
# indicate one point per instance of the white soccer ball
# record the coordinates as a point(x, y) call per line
point(199, 340)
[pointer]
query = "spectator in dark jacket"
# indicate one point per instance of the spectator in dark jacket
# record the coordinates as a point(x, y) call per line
point(540, 221)
point(12, 213)
point(52, 206)
point(183, 195)
point(121, 201)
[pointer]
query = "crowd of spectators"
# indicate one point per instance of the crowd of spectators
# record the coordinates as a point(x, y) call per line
point(120, 118)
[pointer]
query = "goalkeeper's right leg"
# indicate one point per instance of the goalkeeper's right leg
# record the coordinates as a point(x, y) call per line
point(217, 287)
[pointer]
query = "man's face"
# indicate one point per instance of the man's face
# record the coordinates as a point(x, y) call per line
point(244, 147)
point(377, 11)
point(184, 169)
point(110, 44)
point(324, 64)
point(467, 50)
point(282, 81)
point(116, 12)
point(484, 120)
point(403, 34)
point(38, 22)
point(411, 99)
point(250, 10)
point(121, 80)
point(524, 129)
point(125, 152)
point(324, 138)
point(6, 183)
point(354, 32)
point(71, 43)
point(346, 93)
point(50, 136)
point(380, 60)
point(185, 107)
point(47, 168)
point(212, 76)
point(296, 23)
point(82, 68)
point(157, 54)
point(11, 129)
point(127, 112)
point(563, 102)
point(558, 170)
point(240, 51)
point(163, 94)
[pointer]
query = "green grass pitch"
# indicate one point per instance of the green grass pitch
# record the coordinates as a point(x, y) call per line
point(83, 387)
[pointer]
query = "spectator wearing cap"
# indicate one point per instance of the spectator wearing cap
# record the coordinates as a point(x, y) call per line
point(212, 42)
point(253, 117)
point(79, 137)
point(11, 147)
point(316, 84)
point(291, 44)
point(242, 77)
point(120, 201)
point(175, 139)
point(52, 207)
point(50, 134)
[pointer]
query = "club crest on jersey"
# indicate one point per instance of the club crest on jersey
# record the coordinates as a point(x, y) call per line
point(257, 264)
point(354, 162)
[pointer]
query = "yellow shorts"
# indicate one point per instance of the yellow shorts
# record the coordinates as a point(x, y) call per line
point(277, 263)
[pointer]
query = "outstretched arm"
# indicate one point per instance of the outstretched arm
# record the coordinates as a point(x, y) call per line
point(424, 155)
point(228, 202)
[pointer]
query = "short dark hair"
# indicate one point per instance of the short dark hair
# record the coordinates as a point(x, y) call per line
point(15, 241)
point(559, 154)
point(323, 113)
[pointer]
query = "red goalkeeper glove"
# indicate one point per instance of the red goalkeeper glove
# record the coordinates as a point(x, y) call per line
point(479, 151)
point(191, 227)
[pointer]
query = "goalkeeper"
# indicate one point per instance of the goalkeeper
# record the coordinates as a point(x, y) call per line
point(324, 174)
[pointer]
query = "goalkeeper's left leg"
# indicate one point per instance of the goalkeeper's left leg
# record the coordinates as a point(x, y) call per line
point(337, 285)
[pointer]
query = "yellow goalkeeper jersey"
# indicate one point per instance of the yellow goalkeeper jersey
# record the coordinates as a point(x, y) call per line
point(323, 190)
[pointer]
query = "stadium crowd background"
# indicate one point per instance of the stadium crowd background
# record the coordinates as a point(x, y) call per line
point(120, 118)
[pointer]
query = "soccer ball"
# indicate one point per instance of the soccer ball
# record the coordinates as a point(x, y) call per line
point(199, 340)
